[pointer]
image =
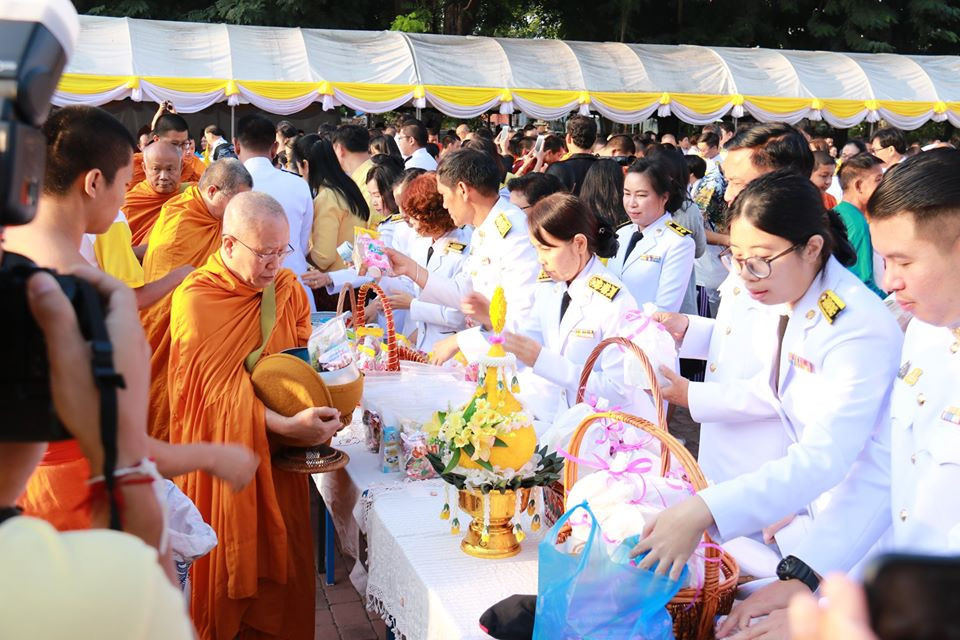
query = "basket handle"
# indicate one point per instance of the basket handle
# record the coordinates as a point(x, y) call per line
point(393, 355)
point(671, 446)
point(346, 293)
point(630, 346)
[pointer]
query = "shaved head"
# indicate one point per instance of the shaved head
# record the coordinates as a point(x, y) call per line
point(221, 181)
point(161, 164)
point(251, 210)
point(228, 175)
point(256, 238)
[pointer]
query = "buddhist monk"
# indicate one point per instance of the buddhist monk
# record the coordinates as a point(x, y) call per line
point(173, 129)
point(186, 233)
point(162, 164)
point(88, 160)
point(259, 582)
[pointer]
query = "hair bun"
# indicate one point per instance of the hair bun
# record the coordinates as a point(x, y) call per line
point(607, 242)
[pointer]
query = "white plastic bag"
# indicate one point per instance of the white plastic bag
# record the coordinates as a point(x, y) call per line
point(190, 536)
point(655, 341)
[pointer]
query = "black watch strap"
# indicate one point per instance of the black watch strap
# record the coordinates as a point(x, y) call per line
point(793, 568)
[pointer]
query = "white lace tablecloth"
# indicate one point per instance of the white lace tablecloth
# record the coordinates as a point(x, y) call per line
point(420, 581)
point(349, 492)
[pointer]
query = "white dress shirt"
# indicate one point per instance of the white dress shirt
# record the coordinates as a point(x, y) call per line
point(293, 194)
point(421, 159)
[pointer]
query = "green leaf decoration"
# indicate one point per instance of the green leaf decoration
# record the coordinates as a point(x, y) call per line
point(454, 461)
point(486, 465)
point(499, 443)
point(470, 410)
point(468, 449)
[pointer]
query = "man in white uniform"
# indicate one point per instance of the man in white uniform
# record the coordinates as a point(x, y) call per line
point(412, 138)
point(256, 144)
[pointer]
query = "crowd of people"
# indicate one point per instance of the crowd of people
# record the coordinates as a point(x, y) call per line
point(807, 288)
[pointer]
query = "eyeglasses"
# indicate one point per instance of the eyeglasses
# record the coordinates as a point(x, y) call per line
point(266, 257)
point(757, 267)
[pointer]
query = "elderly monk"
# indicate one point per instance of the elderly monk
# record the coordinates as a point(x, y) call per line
point(173, 129)
point(259, 581)
point(187, 232)
point(82, 191)
point(162, 163)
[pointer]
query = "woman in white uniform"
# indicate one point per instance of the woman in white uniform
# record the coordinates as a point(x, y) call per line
point(577, 304)
point(833, 358)
point(656, 253)
point(442, 248)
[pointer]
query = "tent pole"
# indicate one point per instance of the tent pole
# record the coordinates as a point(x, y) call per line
point(418, 113)
point(232, 121)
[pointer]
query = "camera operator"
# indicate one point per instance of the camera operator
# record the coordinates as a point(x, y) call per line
point(88, 161)
point(98, 581)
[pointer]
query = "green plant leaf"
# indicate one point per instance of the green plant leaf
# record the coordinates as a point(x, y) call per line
point(497, 442)
point(454, 461)
point(470, 410)
point(486, 465)
point(468, 449)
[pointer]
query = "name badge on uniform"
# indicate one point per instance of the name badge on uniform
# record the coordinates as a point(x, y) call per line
point(456, 247)
point(951, 414)
point(649, 258)
point(801, 363)
point(583, 333)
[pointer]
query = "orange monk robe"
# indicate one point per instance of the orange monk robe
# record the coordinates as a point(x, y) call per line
point(57, 490)
point(259, 580)
point(142, 206)
point(189, 172)
point(185, 233)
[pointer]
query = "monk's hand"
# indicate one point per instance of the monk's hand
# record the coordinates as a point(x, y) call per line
point(313, 426)
point(75, 397)
point(444, 349)
point(399, 300)
point(476, 307)
point(233, 463)
point(671, 537)
point(678, 388)
point(526, 349)
point(316, 279)
point(676, 324)
point(762, 602)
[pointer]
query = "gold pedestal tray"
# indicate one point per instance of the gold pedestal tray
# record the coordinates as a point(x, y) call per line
point(502, 542)
point(320, 459)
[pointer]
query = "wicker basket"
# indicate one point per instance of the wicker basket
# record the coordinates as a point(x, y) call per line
point(395, 352)
point(693, 610)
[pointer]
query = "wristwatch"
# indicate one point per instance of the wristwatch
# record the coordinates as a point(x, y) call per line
point(793, 568)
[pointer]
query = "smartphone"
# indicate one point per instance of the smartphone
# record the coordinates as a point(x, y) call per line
point(914, 597)
point(504, 133)
point(538, 145)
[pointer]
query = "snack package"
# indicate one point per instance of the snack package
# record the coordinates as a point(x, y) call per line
point(369, 251)
point(369, 340)
point(345, 251)
point(329, 346)
point(373, 430)
point(414, 447)
point(390, 450)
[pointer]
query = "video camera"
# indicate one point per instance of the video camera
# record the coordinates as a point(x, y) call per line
point(36, 38)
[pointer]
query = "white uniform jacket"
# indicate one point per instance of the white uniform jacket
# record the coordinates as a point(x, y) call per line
point(659, 267)
point(912, 487)
point(434, 321)
point(598, 302)
point(838, 359)
point(500, 255)
point(738, 346)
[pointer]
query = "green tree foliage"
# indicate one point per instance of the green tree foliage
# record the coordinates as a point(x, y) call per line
point(902, 26)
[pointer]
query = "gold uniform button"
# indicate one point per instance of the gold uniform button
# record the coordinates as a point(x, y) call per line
point(736, 291)
point(728, 330)
point(903, 515)
point(921, 399)
point(713, 367)
point(810, 314)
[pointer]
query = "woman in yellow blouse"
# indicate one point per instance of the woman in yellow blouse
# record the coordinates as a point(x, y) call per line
point(337, 208)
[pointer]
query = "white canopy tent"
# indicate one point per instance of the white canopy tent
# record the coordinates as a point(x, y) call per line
point(284, 70)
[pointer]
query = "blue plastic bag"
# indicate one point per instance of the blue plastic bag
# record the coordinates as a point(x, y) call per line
point(592, 596)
